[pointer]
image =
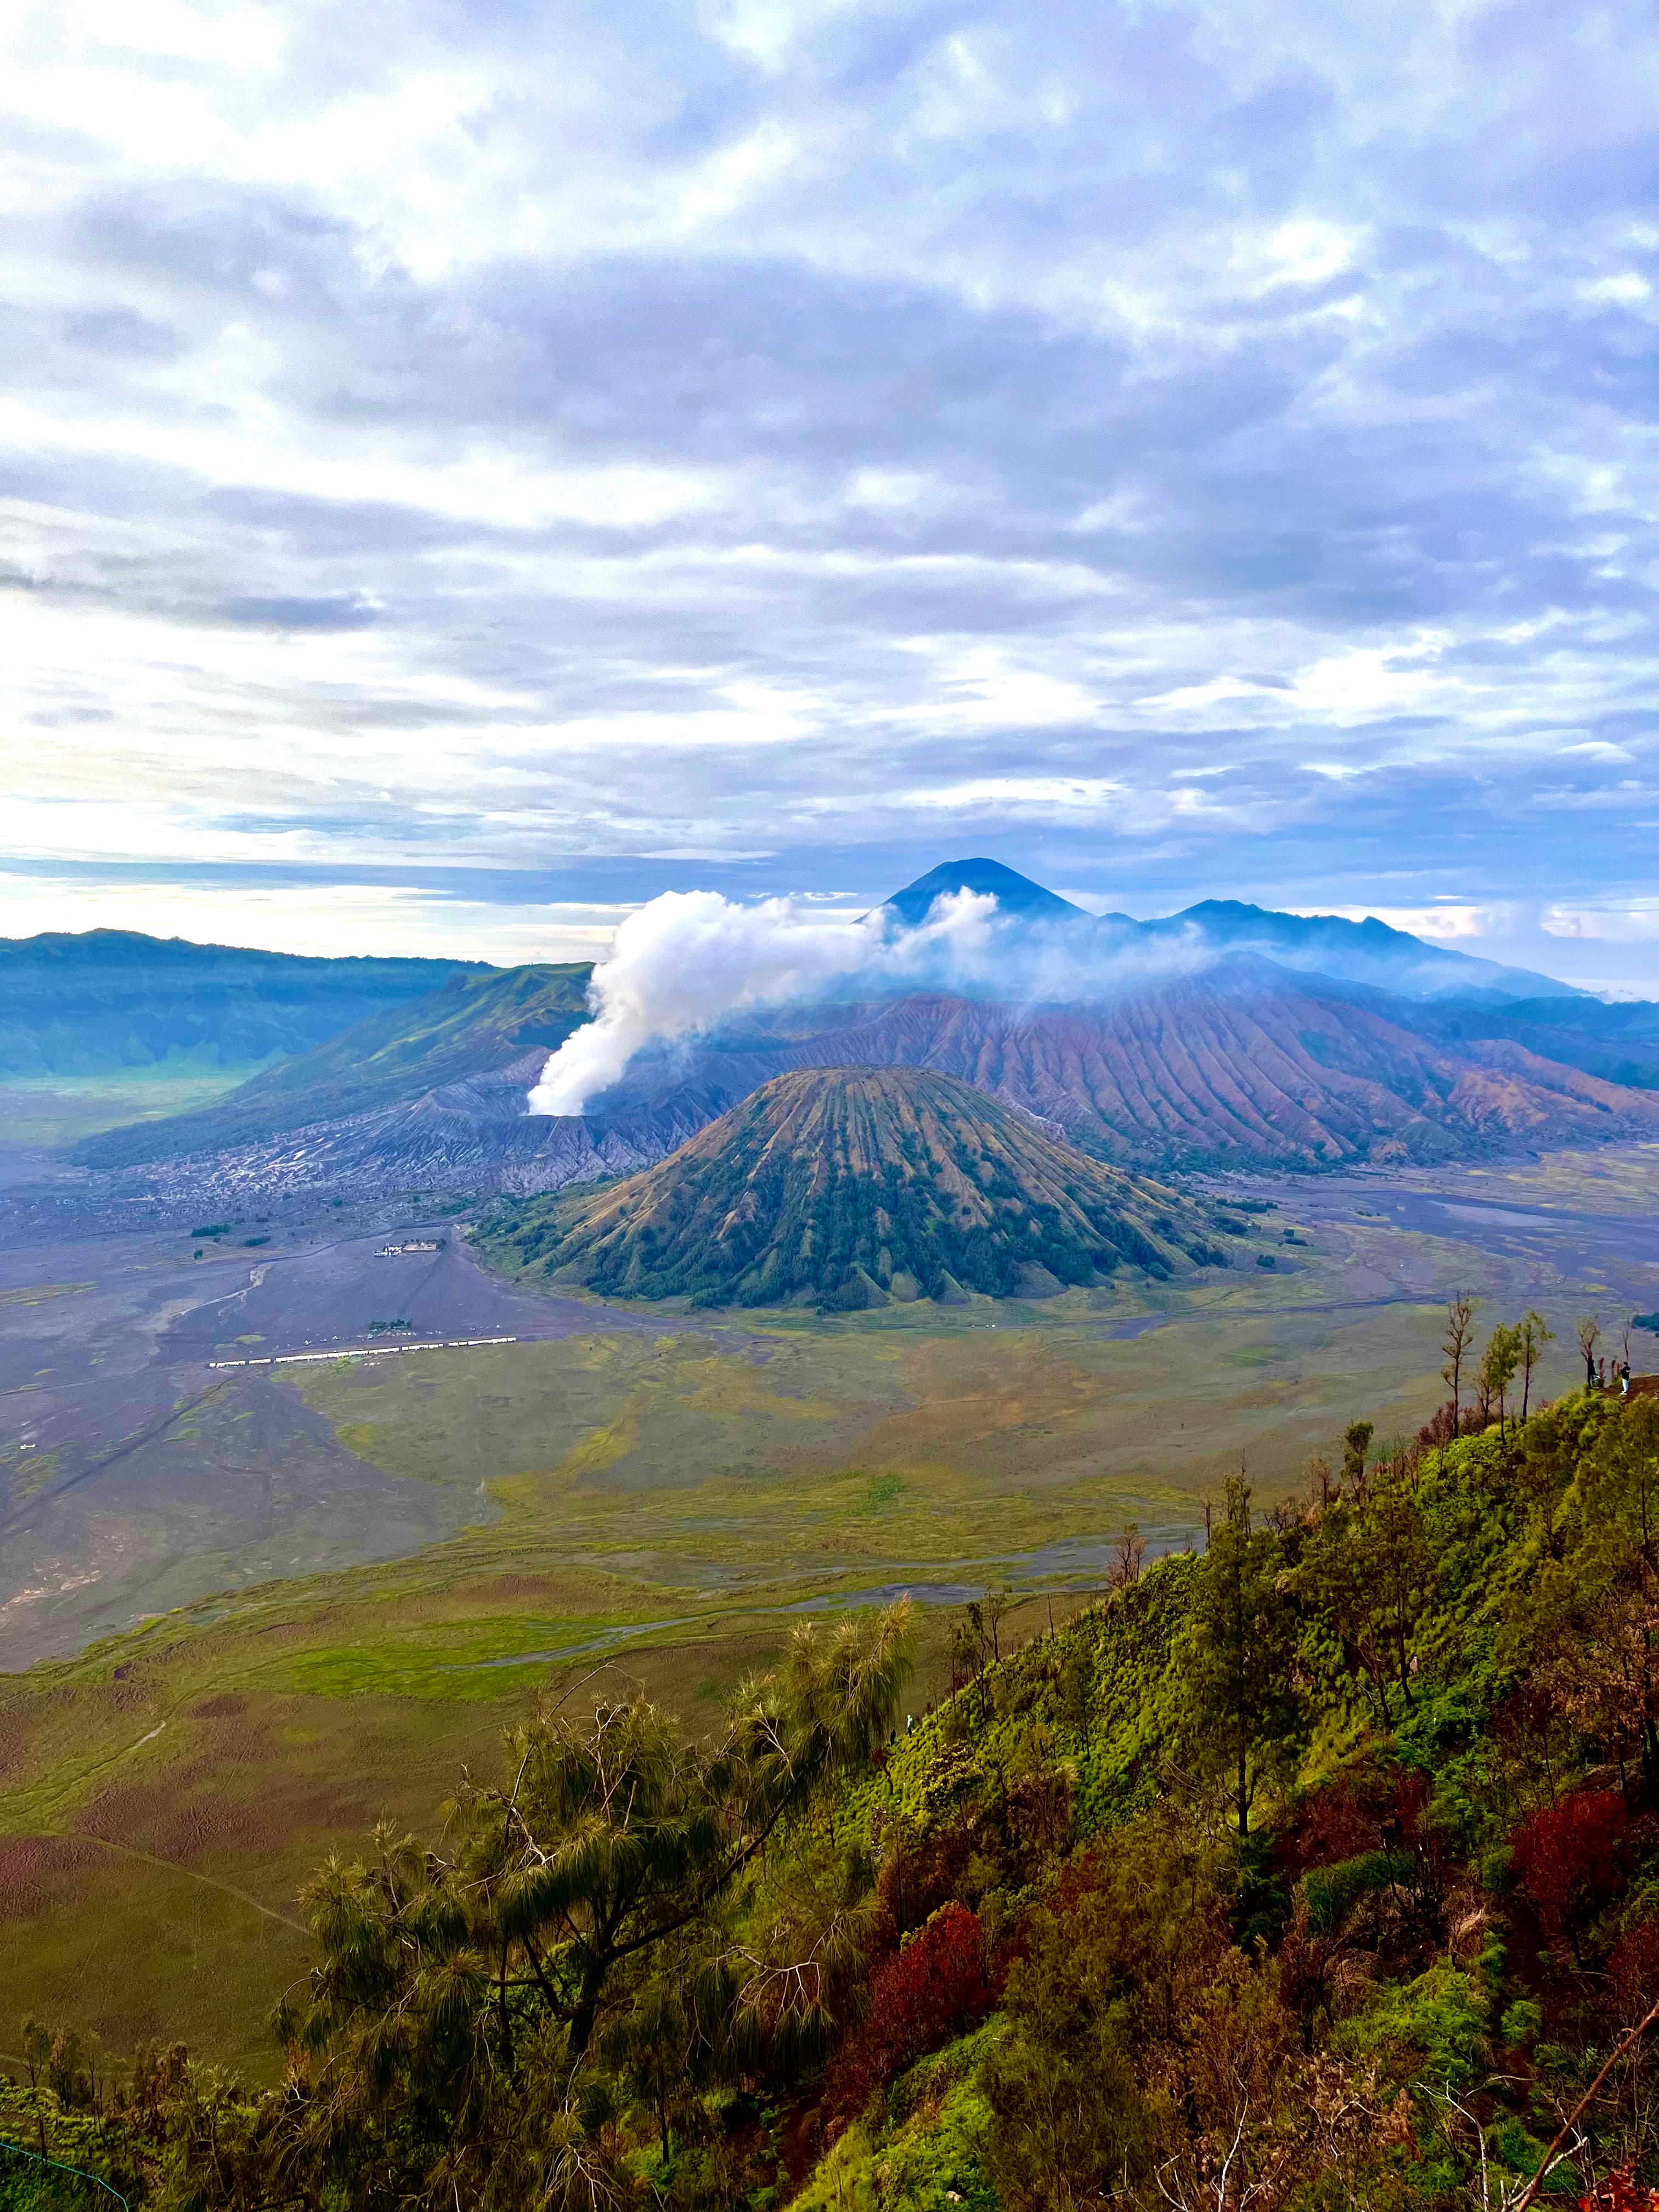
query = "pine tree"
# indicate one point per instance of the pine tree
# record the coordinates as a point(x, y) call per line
point(1244, 1709)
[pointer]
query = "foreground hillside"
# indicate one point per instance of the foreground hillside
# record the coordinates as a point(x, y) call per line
point(845, 1188)
point(1319, 1870)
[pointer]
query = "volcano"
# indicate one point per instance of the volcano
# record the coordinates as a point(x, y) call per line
point(1224, 1037)
point(847, 1188)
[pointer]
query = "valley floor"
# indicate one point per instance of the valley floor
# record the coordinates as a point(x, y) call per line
point(331, 1584)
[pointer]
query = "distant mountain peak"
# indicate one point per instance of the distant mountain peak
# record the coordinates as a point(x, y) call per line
point(1370, 951)
point(1013, 893)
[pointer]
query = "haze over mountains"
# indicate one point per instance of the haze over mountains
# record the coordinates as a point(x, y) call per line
point(477, 1024)
point(110, 998)
point(1369, 951)
point(1225, 1035)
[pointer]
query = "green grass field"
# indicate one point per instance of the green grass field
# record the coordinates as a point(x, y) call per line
point(651, 1504)
point(54, 1111)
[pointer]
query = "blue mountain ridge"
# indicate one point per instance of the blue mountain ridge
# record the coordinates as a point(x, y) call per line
point(95, 1001)
point(1370, 951)
point(1228, 1033)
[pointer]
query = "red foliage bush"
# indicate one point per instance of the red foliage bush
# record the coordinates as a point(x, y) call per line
point(935, 1989)
point(1337, 1822)
point(1359, 1811)
point(1633, 1971)
point(1439, 1429)
point(1619, 2193)
point(1002, 1845)
point(917, 1876)
point(1569, 1856)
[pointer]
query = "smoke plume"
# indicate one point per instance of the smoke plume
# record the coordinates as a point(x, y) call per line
point(689, 960)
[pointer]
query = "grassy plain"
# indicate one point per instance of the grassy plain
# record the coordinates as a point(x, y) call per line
point(1610, 1180)
point(55, 1111)
point(655, 1506)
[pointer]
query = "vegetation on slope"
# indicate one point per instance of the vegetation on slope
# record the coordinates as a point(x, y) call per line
point(472, 1025)
point(1321, 1870)
point(843, 1187)
point(1619, 1043)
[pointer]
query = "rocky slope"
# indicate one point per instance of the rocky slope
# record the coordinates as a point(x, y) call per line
point(1243, 1062)
point(471, 1028)
point(846, 1187)
point(1243, 1065)
point(1619, 1042)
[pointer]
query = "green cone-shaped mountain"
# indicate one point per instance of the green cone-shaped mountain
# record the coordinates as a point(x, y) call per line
point(844, 1187)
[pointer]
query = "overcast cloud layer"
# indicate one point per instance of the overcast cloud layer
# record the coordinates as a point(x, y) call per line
point(468, 470)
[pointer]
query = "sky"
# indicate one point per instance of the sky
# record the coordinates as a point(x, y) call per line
point(467, 470)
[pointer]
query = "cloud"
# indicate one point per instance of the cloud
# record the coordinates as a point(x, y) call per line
point(341, 612)
point(1635, 922)
point(690, 959)
point(385, 918)
point(837, 433)
point(1445, 923)
point(1597, 749)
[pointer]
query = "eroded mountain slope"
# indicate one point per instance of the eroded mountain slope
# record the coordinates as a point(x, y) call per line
point(843, 1187)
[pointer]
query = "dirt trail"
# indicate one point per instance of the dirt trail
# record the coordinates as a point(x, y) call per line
point(131, 1851)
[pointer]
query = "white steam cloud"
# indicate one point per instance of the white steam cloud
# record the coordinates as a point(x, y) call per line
point(689, 959)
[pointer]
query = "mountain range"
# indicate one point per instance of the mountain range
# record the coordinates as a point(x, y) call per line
point(475, 1024)
point(1369, 951)
point(1219, 1053)
point(91, 1002)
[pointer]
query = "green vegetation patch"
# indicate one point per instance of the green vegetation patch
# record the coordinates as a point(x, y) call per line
point(494, 1659)
point(35, 1469)
point(930, 2157)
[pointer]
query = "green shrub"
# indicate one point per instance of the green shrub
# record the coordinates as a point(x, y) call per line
point(1432, 2029)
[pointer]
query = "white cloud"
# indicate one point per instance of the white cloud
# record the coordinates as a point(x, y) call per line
point(1597, 749)
point(1442, 924)
point(1635, 922)
point(1365, 682)
point(364, 918)
point(1627, 290)
point(1305, 252)
point(704, 433)
point(489, 482)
